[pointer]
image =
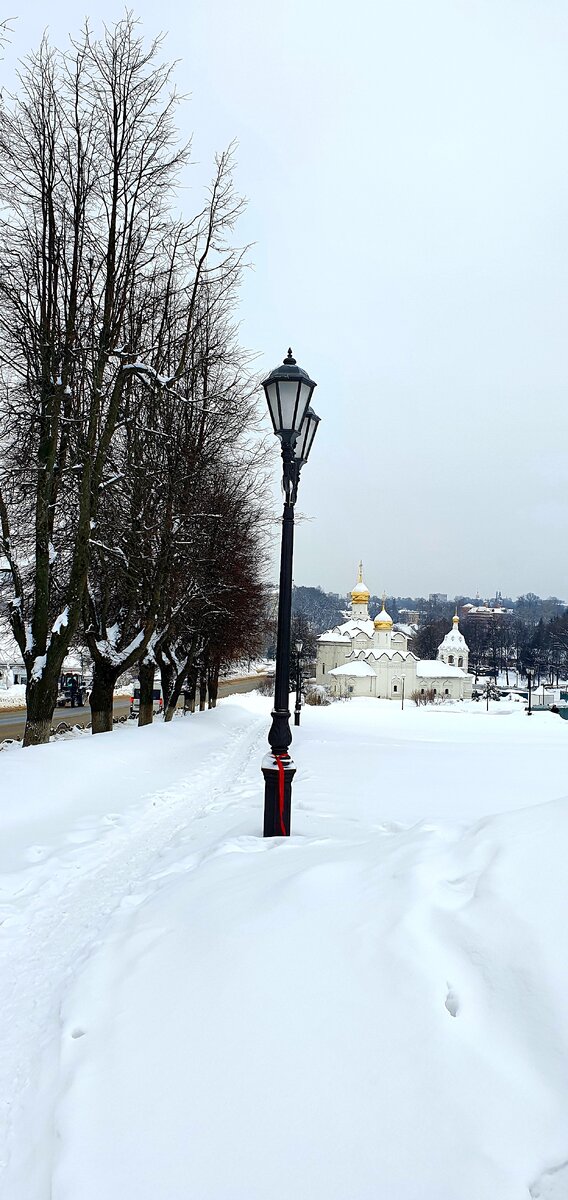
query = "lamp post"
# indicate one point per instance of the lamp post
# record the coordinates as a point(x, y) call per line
point(288, 391)
point(298, 705)
point(529, 681)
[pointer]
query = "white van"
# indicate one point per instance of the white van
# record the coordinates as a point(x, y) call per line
point(156, 697)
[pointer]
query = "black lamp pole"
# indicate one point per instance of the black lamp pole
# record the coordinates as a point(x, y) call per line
point(288, 392)
point(529, 681)
point(298, 705)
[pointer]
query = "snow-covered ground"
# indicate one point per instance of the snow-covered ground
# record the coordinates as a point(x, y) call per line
point(14, 696)
point(373, 1008)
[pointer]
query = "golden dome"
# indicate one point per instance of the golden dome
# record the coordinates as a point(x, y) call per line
point(360, 593)
point(382, 619)
point(455, 618)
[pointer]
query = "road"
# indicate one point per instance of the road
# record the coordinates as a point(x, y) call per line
point(13, 720)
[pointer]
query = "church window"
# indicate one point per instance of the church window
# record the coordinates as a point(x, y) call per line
point(447, 692)
point(395, 687)
point(450, 659)
point(421, 691)
point(460, 662)
point(323, 668)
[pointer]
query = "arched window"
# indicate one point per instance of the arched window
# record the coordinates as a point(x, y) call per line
point(447, 692)
point(395, 687)
point(323, 668)
point(460, 662)
point(451, 659)
point(421, 691)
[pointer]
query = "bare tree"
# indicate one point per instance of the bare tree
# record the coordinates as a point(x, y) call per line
point(90, 162)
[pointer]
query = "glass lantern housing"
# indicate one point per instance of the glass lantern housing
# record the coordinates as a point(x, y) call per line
point(306, 436)
point(288, 391)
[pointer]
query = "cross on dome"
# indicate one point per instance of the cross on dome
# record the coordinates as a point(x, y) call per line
point(360, 593)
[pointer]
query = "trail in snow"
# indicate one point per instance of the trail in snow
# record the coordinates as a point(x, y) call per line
point(66, 918)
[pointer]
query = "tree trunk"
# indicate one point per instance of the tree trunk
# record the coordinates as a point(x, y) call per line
point(177, 688)
point(41, 698)
point(192, 689)
point(213, 686)
point(202, 690)
point(146, 679)
point(167, 676)
point(104, 679)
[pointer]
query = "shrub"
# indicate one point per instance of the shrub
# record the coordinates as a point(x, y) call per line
point(317, 695)
point(428, 696)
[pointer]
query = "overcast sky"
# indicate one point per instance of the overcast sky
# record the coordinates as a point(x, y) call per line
point(405, 166)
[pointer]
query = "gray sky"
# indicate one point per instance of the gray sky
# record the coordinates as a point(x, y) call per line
point(405, 164)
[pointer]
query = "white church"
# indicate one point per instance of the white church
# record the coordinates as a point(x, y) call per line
point(365, 657)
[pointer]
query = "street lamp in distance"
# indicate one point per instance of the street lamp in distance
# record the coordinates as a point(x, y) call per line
point(288, 391)
point(298, 705)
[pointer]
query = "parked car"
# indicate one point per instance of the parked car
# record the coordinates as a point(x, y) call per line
point(156, 697)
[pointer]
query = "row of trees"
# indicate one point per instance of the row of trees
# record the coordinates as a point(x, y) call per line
point(500, 646)
point(130, 469)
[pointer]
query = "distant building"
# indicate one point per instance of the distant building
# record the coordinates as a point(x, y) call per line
point(12, 669)
point(364, 657)
point(409, 616)
point(438, 598)
point(485, 612)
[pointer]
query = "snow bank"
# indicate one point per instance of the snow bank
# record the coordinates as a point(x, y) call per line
point(14, 696)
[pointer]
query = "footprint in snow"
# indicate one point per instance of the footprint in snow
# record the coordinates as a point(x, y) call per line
point(452, 1002)
point(552, 1184)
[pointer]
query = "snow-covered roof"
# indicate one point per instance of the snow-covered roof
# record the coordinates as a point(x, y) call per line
point(454, 640)
point(353, 669)
point(346, 631)
point(360, 589)
point(484, 610)
point(434, 669)
point(377, 652)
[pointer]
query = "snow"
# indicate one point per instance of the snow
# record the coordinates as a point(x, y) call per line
point(427, 668)
point(349, 629)
point(14, 696)
point(38, 667)
point(61, 621)
point(106, 647)
point(453, 640)
point(354, 668)
point(374, 1007)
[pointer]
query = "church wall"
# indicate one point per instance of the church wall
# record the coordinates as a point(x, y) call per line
point(330, 655)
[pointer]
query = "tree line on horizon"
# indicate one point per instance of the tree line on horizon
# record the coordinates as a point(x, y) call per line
point(327, 609)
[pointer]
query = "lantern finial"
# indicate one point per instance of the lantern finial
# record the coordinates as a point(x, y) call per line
point(290, 361)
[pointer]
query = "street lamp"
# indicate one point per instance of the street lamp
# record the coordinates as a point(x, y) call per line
point(288, 391)
point(298, 705)
point(529, 681)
